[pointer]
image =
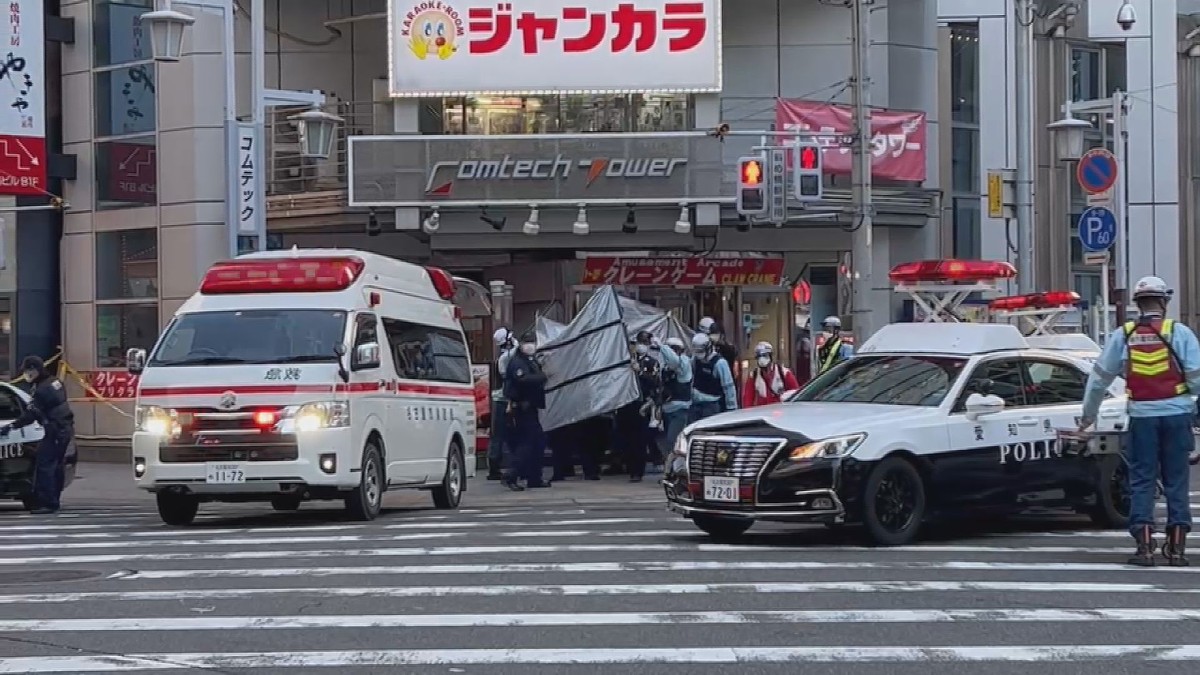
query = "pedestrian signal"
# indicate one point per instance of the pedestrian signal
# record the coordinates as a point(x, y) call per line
point(808, 179)
point(752, 188)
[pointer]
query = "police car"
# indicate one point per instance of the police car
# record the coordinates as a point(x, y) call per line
point(928, 419)
point(18, 448)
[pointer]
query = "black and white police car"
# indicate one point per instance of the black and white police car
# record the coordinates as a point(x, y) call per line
point(927, 420)
point(18, 448)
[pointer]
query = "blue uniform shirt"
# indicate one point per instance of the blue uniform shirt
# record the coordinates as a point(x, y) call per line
point(725, 376)
point(1114, 359)
point(683, 370)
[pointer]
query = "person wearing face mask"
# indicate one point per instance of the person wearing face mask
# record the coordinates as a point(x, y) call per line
point(832, 349)
point(525, 389)
point(716, 335)
point(677, 395)
point(49, 408)
point(768, 380)
point(713, 389)
point(633, 430)
point(498, 457)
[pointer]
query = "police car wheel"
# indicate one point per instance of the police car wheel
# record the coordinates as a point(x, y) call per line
point(720, 527)
point(177, 509)
point(894, 502)
point(1112, 494)
point(366, 501)
point(448, 493)
point(285, 503)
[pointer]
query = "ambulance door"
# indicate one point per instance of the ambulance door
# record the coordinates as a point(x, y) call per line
point(369, 392)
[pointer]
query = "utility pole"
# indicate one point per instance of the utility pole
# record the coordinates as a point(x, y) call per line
point(1024, 73)
point(862, 259)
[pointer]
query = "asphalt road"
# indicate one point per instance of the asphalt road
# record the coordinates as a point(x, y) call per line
point(562, 589)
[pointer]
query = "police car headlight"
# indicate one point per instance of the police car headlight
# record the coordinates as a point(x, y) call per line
point(839, 446)
point(681, 446)
point(154, 420)
point(322, 415)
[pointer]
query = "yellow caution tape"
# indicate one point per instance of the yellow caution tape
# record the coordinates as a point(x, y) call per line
point(65, 371)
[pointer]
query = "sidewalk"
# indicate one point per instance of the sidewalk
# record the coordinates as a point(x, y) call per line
point(102, 483)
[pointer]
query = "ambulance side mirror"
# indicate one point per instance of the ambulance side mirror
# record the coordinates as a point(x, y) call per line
point(981, 405)
point(366, 356)
point(135, 360)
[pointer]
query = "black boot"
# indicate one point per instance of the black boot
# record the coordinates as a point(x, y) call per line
point(1175, 546)
point(1144, 557)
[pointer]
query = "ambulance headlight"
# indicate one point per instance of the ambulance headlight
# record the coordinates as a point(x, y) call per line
point(155, 420)
point(323, 415)
point(838, 446)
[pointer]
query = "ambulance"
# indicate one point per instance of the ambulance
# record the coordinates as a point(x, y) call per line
point(320, 374)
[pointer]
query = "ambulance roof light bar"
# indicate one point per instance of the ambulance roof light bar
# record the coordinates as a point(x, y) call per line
point(939, 287)
point(1041, 310)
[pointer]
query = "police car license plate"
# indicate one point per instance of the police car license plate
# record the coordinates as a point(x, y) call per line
point(718, 489)
point(224, 473)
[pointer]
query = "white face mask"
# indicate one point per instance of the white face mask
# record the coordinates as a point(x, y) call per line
point(528, 348)
point(641, 349)
point(714, 338)
point(764, 361)
point(31, 375)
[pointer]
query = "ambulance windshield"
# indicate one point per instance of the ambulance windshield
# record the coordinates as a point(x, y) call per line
point(889, 380)
point(252, 336)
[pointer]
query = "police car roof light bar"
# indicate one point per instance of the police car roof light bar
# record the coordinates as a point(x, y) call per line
point(939, 287)
point(1041, 310)
point(282, 275)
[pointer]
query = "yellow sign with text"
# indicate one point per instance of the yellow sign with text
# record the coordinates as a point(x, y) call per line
point(995, 194)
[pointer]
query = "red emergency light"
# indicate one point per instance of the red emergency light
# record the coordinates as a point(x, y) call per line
point(809, 158)
point(443, 282)
point(961, 271)
point(265, 418)
point(282, 275)
point(1047, 300)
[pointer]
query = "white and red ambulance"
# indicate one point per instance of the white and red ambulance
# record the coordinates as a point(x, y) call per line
point(306, 375)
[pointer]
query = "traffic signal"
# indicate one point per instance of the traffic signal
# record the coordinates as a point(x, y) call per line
point(752, 186)
point(809, 183)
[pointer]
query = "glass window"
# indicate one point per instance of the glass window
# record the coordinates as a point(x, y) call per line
point(122, 327)
point(964, 160)
point(968, 241)
point(6, 325)
point(127, 264)
point(662, 112)
point(11, 405)
point(119, 36)
point(1001, 377)
point(964, 73)
point(252, 336)
point(559, 114)
point(125, 101)
point(1053, 383)
point(889, 380)
point(427, 353)
point(126, 173)
point(1114, 69)
point(1085, 74)
point(366, 330)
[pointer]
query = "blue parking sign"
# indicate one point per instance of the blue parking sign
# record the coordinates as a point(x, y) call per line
point(1097, 229)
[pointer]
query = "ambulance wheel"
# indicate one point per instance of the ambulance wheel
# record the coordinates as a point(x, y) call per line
point(177, 509)
point(366, 501)
point(722, 527)
point(894, 502)
point(1112, 494)
point(448, 493)
point(283, 503)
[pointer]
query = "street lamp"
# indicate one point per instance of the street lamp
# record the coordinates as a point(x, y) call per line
point(1068, 134)
point(166, 32)
point(316, 130)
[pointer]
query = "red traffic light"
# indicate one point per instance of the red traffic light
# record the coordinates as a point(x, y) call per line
point(752, 172)
point(809, 157)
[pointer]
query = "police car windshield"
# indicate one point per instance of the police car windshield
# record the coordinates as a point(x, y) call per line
point(252, 336)
point(888, 380)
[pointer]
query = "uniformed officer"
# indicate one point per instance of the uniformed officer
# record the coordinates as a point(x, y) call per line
point(498, 457)
point(713, 390)
point(677, 395)
point(50, 409)
point(768, 380)
point(525, 389)
point(716, 335)
point(1160, 361)
point(834, 349)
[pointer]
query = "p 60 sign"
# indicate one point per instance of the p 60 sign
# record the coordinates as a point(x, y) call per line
point(478, 47)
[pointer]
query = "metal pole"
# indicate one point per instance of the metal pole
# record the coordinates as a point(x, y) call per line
point(233, 188)
point(1121, 152)
point(862, 262)
point(258, 93)
point(1026, 272)
point(1105, 327)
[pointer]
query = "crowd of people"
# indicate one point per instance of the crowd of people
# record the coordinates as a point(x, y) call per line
point(678, 384)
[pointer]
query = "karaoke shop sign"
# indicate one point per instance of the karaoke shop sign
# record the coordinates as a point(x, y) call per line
point(898, 143)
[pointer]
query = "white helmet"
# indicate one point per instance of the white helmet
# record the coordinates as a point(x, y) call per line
point(1151, 287)
point(763, 349)
point(706, 324)
point(832, 322)
point(675, 342)
point(700, 341)
point(501, 336)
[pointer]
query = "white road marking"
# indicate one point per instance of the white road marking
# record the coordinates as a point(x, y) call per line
point(550, 523)
point(248, 541)
point(606, 656)
point(594, 619)
point(190, 534)
point(601, 589)
point(649, 566)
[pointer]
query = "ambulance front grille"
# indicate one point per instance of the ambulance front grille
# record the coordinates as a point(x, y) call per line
point(730, 456)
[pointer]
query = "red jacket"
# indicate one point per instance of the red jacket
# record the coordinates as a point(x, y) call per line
point(750, 394)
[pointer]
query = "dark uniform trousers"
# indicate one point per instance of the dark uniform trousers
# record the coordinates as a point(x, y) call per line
point(48, 477)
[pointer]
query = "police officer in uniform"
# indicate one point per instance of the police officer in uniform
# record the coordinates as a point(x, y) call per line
point(498, 456)
point(1160, 361)
point(525, 390)
point(677, 396)
point(716, 335)
point(713, 390)
point(834, 350)
point(49, 408)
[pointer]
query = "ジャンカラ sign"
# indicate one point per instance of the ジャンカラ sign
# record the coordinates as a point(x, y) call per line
point(681, 271)
point(477, 47)
point(23, 108)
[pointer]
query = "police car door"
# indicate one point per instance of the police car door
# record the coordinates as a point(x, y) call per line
point(984, 460)
point(1056, 388)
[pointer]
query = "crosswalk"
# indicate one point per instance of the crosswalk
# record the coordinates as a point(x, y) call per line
point(618, 588)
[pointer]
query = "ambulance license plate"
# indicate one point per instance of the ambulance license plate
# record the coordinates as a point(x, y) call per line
point(719, 489)
point(224, 473)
